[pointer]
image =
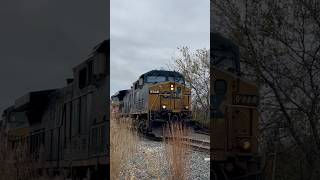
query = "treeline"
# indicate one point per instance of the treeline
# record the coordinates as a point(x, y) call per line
point(195, 66)
point(279, 45)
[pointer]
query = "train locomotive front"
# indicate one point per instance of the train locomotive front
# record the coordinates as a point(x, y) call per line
point(169, 101)
point(234, 116)
point(156, 98)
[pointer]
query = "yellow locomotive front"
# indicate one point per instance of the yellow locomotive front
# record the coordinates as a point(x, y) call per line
point(169, 101)
point(234, 112)
point(157, 97)
point(235, 123)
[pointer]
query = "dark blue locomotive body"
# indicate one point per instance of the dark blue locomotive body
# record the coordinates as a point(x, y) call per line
point(68, 127)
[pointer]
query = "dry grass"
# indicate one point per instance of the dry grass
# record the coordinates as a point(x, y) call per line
point(177, 150)
point(124, 147)
point(123, 144)
point(7, 168)
point(17, 164)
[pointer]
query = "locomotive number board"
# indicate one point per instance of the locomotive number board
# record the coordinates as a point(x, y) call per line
point(245, 99)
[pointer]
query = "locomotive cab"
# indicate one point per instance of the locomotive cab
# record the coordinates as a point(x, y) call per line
point(157, 97)
point(235, 115)
point(169, 101)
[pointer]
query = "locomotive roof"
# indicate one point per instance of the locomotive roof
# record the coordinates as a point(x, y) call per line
point(222, 44)
point(120, 94)
point(218, 41)
point(7, 110)
point(100, 48)
point(162, 73)
point(35, 98)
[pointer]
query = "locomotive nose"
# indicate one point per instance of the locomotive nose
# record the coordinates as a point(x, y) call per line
point(168, 100)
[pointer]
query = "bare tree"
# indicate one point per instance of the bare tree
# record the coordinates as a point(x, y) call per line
point(279, 46)
point(195, 68)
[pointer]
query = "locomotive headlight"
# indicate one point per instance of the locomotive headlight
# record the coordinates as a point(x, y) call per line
point(164, 107)
point(171, 87)
point(246, 145)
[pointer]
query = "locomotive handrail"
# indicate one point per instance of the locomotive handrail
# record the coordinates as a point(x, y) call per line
point(75, 98)
point(152, 105)
point(154, 102)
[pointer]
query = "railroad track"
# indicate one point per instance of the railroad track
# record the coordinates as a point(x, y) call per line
point(199, 145)
point(202, 132)
point(196, 144)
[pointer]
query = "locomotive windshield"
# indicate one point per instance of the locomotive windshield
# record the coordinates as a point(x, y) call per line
point(158, 76)
point(224, 54)
point(176, 79)
point(156, 79)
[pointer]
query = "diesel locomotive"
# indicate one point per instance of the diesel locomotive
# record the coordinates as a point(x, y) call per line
point(234, 115)
point(157, 97)
point(69, 125)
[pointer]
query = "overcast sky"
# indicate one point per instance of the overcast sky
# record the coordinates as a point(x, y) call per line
point(145, 35)
point(41, 40)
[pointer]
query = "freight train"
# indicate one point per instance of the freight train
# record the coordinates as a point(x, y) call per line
point(70, 124)
point(234, 116)
point(157, 97)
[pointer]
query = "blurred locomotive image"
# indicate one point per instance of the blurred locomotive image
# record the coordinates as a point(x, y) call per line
point(234, 115)
point(157, 97)
point(69, 125)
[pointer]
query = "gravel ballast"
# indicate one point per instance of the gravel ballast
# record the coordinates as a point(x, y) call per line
point(149, 162)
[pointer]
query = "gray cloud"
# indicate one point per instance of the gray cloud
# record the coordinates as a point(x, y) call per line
point(41, 40)
point(145, 35)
